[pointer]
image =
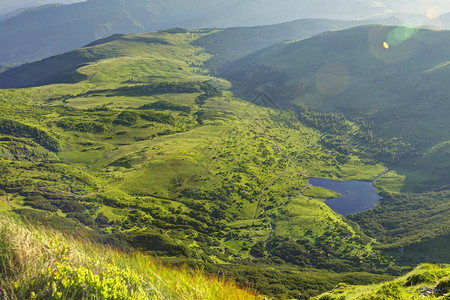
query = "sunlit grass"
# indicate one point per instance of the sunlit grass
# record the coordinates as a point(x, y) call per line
point(427, 281)
point(37, 263)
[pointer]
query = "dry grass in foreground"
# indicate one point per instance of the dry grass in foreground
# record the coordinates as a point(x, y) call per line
point(37, 263)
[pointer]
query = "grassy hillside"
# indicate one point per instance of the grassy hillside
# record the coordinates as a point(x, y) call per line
point(351, 72)
point(135, 144)
point(37, 263)
point(378, 92)
point(224, 46)
point(52, 29)
point(145, 150)
point(425, 282)
point(394, 94)
point(232, 43)
point(117, 59)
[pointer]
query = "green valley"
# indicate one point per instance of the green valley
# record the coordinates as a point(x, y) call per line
point(377, 92)
point(137, 142)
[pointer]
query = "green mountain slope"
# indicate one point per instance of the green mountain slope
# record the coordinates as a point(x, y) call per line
point(53, 29)
point(225, 45)
point(399, 91)
point(232, 43)
point(101, 64)
point(147, 151)
point(11, 7)
point(425, 282)
point(390, 83)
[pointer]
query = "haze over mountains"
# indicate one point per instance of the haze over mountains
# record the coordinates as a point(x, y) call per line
point(226, 45)
point(202, 146)
point(399, 88)
point(9, 6)
point(41, 32)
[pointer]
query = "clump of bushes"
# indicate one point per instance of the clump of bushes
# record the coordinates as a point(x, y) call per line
point(166, 105)
point(425, 274)
point(39, 202)
point(205, 115)
point(210, 91)
point(207, 89)
point(159, 88)
point(18, 129)
point(42, 205)
point(443, 286)
point(127, 118)
point(101, 219)
point(72, 206)
point(152, 241)
point(157, 116)
point(88, 126)
point(84, 218)
point(389, 291)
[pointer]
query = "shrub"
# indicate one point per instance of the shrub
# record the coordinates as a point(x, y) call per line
point(204, 115)
point(443, 287)
point(391, 291)
point(40, 136)
point(157, 116)
point(258, 250)
point(127, 118)
point(72, 206)
point(71, 282)
point(101, 219)
point(157, 242)
point(159, 88)
point(89, 126)
point(166, 105)
point(423, 277)
point(42, 205)
point(84, 218)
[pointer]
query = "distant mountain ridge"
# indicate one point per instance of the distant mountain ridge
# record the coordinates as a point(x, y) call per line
point(393, 76)
point(225, 45)
point(150, 151)
point(13, 7)
point(49, 30)
point(15, 12)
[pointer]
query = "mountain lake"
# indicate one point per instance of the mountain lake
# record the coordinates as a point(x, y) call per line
point(356, 196)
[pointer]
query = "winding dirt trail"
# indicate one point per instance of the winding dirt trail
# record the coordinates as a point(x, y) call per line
point(264, 191)
point(379, 176)
point(271, 224)
point(290, 161)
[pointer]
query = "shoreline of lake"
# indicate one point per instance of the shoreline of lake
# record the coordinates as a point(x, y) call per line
point(357, 196)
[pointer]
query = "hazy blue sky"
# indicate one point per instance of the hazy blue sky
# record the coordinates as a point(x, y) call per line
point(425, 8)
point(10, 5)
point(422, 7)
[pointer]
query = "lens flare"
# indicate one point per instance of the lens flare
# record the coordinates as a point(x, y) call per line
point(333, 79)
point(432, 10)
point(400, 35)
point(400, 41)
point(433, 16)
point(433, 13)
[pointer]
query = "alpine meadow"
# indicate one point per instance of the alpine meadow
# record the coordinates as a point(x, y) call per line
point(303, 160)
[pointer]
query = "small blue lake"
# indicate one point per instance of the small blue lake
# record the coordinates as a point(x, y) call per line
point(357, 196)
